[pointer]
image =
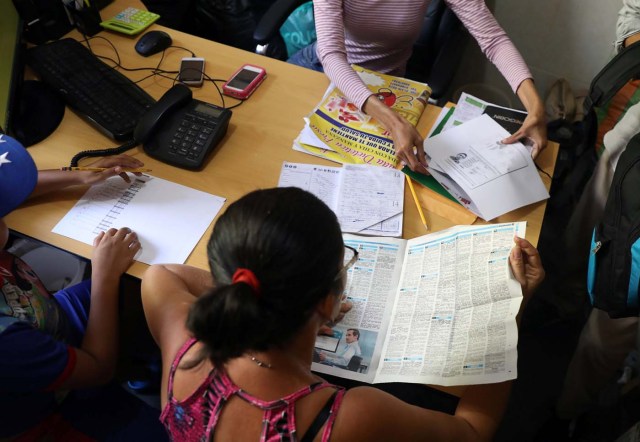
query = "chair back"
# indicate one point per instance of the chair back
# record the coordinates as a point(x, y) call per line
point(354, 363)
point(233, 22)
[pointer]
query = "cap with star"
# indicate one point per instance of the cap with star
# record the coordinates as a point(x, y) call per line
point(18, 174)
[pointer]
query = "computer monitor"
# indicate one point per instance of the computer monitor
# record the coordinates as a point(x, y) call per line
point(11, 67)
point(29, 110)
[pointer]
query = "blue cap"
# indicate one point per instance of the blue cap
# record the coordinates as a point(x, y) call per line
point(18, 174)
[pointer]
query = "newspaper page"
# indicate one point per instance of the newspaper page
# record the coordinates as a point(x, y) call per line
point(453, 321)
point(342, 127)
point(371, 284)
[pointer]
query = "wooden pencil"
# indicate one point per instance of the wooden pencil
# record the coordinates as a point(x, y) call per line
point(417, 201)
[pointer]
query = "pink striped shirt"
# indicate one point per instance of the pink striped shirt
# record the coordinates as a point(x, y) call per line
point(379, 35)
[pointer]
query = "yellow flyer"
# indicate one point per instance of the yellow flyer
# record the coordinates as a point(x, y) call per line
point(355, 136)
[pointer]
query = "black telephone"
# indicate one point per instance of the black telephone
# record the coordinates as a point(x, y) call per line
point(177, 129)
point(180, 130)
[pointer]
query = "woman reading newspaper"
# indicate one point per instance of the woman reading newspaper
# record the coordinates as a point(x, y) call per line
point(380, 35)
point(237, 343)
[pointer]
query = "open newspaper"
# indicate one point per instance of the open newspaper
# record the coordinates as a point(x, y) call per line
point(437, 309)
point(338, 131)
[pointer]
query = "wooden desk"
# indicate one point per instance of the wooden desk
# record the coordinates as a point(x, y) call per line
point(259, 139)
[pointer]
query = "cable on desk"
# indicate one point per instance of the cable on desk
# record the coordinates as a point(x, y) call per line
point(193, 54)
point(544, 172)
point(154, 71)
point(102, 152)
point(157, 71)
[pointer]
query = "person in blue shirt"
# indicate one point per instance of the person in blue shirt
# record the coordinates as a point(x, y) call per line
point(53, 343)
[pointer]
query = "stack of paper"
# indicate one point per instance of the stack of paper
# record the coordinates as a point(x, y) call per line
point(338, 131)
point(469, 107)
point(367, 200)
point(487, 177)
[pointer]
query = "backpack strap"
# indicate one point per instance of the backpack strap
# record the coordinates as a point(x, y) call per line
point(623, 67)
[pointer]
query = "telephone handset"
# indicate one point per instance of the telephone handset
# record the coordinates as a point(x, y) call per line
point(177, 129)
point(181, 131)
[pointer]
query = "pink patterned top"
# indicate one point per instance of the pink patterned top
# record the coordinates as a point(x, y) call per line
point(379, 35)
point(195, 418)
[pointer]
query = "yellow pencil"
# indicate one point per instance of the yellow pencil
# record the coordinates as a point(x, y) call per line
point(415, 199)
point(100, 169)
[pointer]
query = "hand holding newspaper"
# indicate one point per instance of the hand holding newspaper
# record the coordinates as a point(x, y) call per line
point(437, 309)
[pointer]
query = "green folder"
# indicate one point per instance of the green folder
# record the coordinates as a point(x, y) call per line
point(427, 180)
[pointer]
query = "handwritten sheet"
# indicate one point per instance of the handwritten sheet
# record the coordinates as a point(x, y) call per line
point(366, 199)
point(169, 218)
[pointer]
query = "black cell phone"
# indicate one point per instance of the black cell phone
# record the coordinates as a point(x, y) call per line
point(191, 71)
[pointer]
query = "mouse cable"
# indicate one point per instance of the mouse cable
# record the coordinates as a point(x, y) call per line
point(193, 54)
point(102, 152)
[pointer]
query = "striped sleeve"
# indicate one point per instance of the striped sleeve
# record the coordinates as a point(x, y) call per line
point(333, 54)
point(493, 40)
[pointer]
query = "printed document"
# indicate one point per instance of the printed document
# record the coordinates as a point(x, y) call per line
point(487, 177)
point(169, 218)
point(438, 309)
point(367, 200)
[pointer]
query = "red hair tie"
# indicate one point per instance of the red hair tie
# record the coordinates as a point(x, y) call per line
point(248, 277)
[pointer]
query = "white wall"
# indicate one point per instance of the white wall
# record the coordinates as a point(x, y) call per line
point(557, 38)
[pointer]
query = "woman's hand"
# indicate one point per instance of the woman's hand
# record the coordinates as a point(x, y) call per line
point(409, 146)
point(534, 127)
point(534, 131)
point(113, 253)
point(114, 165)
point(526, 266)
point(327, 329)
point(406, 139)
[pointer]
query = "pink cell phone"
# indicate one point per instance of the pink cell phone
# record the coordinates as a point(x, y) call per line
point(246, 79)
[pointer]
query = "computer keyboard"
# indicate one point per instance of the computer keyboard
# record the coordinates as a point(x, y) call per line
point(99, 93)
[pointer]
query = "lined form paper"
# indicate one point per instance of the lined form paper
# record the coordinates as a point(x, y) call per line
point(366, 199)
point(169, 218)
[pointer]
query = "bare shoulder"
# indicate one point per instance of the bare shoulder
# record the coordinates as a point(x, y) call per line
point(369, 414)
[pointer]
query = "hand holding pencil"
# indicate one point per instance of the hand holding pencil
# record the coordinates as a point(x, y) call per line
point(107, 167)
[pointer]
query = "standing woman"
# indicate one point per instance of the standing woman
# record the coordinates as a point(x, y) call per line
point(236, 354)
point(379, 35)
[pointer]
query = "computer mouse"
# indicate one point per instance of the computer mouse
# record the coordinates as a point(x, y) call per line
point(153, 42)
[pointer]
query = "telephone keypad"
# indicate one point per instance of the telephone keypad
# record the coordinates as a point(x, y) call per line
point(191, 136)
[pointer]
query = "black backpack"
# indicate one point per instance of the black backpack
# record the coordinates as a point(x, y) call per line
point(577, 157)
point(613, 277)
